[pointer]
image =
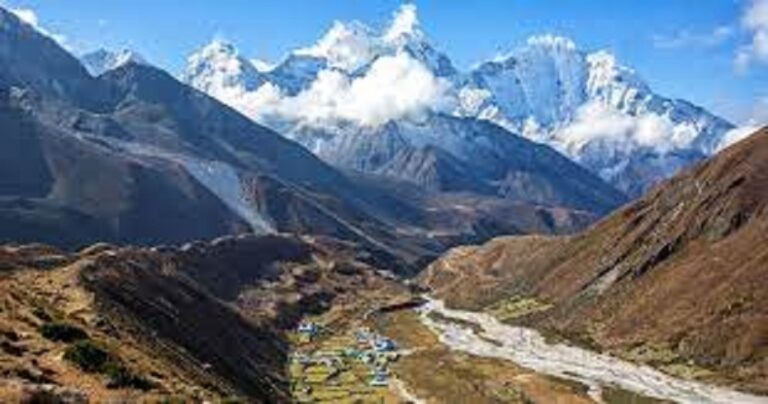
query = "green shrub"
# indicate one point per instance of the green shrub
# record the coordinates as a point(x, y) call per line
point(62, 332)
point(41, 314)
point(121, 377)
point(88, 356)
point(91, 358)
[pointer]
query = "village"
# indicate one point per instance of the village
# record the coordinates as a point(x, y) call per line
point(353, 366)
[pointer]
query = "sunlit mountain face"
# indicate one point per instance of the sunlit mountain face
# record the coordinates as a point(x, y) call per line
point(585, 104)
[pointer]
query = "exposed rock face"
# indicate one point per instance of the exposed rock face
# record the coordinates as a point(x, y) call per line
point(206, 321)
point(682, 269)
point(449, 154)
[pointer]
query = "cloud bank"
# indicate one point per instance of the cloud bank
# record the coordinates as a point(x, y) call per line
point(394, 87)
point(595, 122)
point(371, 79)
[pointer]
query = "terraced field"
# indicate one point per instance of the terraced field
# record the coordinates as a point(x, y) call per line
point(334, 366)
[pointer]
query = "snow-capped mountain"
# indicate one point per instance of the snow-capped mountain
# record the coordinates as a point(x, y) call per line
point(356, 80)
point(219, 69)
point(591, 108)
point(444, 153)
point(102, 60)
point(350, 49)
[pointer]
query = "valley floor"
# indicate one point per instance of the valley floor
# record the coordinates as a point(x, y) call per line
point(483, 335)
point(379, 343)
point(423, 367)
point(441, 355)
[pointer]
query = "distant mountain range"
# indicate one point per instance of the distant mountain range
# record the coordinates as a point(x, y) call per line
point(131, 155)
point(584, 104)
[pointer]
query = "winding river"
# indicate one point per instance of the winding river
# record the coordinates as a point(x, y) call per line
point(528, 348)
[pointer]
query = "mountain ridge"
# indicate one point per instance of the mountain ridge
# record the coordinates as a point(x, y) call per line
point(520, 91)
point(676, 271)
point(224, 173)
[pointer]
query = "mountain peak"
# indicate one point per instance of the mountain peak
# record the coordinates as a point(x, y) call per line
point(102, 60)
point(350, 46)
point(605, 70)
point(347, 46)
point(405, 25)
point(586, 105)
point(218, 68)
point(216, 48)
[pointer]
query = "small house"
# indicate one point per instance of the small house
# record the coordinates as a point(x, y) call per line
point(384, 345)
point(379, 380)
point(308, 329)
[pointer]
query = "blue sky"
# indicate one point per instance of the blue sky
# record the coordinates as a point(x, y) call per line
point(684, 48)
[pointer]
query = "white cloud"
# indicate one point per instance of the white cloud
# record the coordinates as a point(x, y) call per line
point(685, 38)
point(758, 118)
point(29, 16)
point(736, 135)
point(394, 87)
point(596, 122)
point(755, 21)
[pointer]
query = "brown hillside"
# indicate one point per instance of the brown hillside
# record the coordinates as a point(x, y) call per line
point(202, 322)
point(683, 271)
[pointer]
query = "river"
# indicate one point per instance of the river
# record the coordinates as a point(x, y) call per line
point(528, 348)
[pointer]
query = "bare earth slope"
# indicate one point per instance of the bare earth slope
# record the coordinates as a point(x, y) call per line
point(676, 279)
point(204, 322)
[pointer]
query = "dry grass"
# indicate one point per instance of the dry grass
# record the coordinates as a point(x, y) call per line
point(434, 373)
